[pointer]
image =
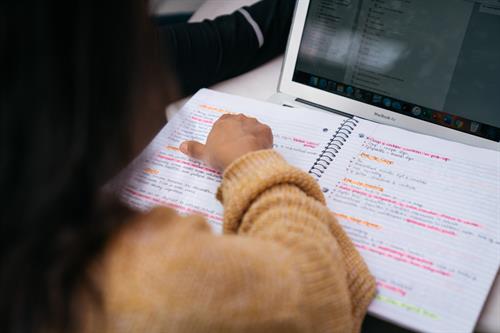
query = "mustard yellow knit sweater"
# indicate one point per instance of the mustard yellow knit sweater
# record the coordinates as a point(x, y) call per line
point(284, 264)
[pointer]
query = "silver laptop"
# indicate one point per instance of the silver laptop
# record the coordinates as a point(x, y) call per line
point(428, 66)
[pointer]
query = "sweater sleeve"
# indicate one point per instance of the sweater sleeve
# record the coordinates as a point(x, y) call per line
point(266, 198)
point(208, 52)
point(283, 265)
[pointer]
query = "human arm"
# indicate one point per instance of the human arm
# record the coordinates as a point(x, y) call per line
point(214, 50)
point(265, 197)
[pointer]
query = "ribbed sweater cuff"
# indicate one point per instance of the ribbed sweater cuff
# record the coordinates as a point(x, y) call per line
point(254, 173)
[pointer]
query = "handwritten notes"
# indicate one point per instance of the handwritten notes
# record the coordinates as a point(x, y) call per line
point(424, 213)
point(163, 176)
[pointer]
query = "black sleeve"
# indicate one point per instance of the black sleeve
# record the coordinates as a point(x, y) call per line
point(205, 53)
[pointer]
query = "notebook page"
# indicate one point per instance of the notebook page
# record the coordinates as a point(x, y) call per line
point(162, 175)
point(424, 213)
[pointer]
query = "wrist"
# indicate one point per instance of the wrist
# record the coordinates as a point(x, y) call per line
point(251, 175)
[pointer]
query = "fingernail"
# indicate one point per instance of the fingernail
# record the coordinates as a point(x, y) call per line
point(184, 148)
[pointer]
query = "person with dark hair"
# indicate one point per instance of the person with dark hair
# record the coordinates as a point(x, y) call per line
point(83, 89)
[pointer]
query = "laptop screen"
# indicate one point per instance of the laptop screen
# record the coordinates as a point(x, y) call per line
point(438, 61)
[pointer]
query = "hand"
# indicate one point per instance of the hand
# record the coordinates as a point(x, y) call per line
point(230, 138)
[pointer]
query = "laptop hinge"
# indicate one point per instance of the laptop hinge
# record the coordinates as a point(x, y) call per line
point(300, 100)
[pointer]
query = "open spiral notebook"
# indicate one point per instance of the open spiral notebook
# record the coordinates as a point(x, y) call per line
point(423, 212)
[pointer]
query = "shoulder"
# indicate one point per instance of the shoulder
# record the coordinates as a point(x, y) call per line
point(149, 239)
point(148, 229)
point(132, 273)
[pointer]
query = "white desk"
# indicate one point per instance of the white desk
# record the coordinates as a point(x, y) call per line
point(261, 83)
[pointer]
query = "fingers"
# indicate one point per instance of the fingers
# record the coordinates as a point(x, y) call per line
point(267, 134)
point(245, 121)
point(193, 149)
point(225, 116)
point(249, 124)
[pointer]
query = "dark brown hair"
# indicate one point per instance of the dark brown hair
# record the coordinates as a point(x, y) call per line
point(69, 75)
